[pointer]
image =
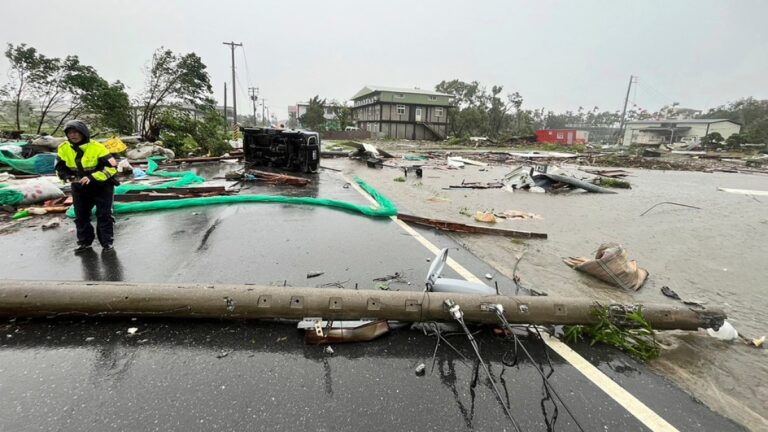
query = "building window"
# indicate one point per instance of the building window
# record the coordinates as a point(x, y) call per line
point(399, 96)
point(433, 98)
point(401, 110)
point(438, 112)
point(560, 135)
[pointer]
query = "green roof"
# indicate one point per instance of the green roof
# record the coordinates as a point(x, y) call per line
point(374, 89)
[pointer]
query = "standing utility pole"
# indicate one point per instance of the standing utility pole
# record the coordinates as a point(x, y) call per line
point(226, 119)
point(232, 45)
point(263, 119)
point(254, 92)
point(632, 79)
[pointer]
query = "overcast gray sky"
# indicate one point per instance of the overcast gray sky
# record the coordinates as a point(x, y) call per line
point(558, 55)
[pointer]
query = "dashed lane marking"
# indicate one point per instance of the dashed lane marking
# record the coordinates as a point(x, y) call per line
point(624, 398)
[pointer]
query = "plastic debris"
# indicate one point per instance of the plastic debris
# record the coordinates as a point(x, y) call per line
point(328, 350)
point(726, 332)
point(314, 274)
point(420, 369)
point(611, 265)
point(667, 291)
point(53, 223)
point(487, 217)
point(758, 342)
point(132, 330)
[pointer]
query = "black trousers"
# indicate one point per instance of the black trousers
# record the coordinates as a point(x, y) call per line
point(99, 195)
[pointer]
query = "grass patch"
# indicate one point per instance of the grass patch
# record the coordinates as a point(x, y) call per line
point(637, 339)
point(612, 183)
point(400, 179)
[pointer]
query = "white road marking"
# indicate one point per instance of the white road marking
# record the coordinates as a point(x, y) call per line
point(630, 403)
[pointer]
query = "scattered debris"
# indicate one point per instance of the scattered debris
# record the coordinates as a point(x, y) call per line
point(607, 173)
point(464, 228)
point(420, 369)
point(146, 150)
point(438, 199)
point(726, 332)
point(319, 332)
point(543, 155)
point(132, 330)
point(465, 161)
point(455, 164)
point(400, 179)
point(252, 175)
point(477, 185)
point(611, 265)
point(328, 350)
point(516, 214)
point(758, 342)
point(744, 191)
point(486, 217)
point(488, 276)
point(612, 183)
point(667, 291)
point(53, 223)
point(223, 354)
point(435, 283)
point(313, 274)
point(369, 150)
point(398, 277)
point(548, 179)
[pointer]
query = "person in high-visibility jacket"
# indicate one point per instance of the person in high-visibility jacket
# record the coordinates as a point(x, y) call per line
point(91, 169)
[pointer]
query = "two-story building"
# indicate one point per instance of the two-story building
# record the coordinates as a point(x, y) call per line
point(389, 112)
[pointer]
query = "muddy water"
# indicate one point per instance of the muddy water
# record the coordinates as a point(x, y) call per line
point(716, 255)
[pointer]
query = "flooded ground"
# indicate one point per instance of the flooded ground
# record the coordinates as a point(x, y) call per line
point(151, 373)
point(716, 255)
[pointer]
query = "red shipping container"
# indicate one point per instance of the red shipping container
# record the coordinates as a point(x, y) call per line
point(562, 136)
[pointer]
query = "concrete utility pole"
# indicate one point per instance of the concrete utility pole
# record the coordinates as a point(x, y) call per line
point(263, 119)
point(632, 79)
point(50, 298)
point(254, 92)
point(232, 45)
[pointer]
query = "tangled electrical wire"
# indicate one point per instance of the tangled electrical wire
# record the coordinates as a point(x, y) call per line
point(507, 327)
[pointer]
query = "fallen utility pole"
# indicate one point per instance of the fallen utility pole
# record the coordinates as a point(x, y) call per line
point(68, 298)
point(445, 225)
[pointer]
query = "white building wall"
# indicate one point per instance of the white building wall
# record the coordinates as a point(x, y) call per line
point(725, 129)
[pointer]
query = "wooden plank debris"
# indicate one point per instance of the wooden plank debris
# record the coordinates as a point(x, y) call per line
point(445, 225)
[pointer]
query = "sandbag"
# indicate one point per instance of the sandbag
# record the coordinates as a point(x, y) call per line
point(36, 191)
point(48, 141)
point(145, 150)
point(611, 265)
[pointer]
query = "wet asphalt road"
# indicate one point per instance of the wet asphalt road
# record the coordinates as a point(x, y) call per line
point(209, 375)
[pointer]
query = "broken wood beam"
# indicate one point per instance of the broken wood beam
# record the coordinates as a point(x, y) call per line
point(477, 185)
point(445, 225)
point(119, 299)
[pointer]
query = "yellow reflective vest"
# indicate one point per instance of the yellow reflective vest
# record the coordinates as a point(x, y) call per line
point(89, 159)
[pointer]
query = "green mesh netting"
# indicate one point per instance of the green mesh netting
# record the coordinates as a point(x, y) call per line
point(42, 163)
point(10, 196)
point(385, 208)
point(184, 178)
